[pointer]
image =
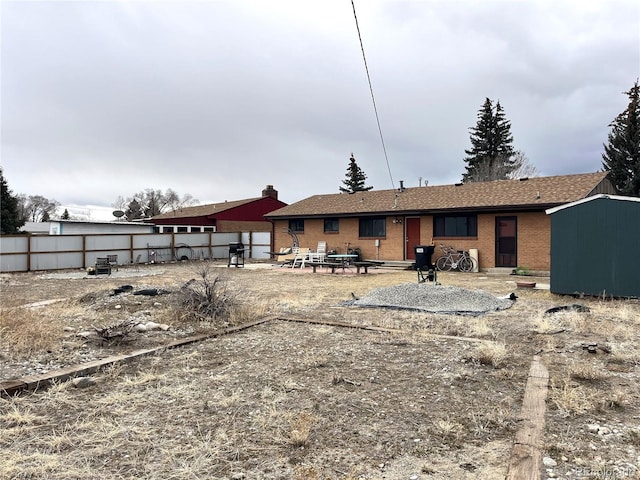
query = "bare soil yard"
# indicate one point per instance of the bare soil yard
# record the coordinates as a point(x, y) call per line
point(321, 390)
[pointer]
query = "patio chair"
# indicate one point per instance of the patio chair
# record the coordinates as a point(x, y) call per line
point(102, 266)
point(286, 260)
point(320, 255)
point(136, 262)
point(113, 261)
point(283, 251)
point(301, 257)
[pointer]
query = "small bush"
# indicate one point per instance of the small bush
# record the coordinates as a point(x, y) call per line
point(571, 399)
point(586, 372)
point(208, 298)
point(117, 332)
point(300, 429)
point(491, 353)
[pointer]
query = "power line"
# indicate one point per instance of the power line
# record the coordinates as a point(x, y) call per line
point(373, 98)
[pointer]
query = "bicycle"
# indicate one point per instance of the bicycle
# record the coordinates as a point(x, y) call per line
point(455, 260)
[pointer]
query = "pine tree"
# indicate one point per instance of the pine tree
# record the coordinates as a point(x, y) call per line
point(10, 220)
point(621, 157)
point(134, 211)
point(491, 154)
point(65, 215)
point(355, 178)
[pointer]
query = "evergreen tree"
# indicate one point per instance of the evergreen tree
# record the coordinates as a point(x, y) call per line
point(621, 157)
point(491, 154)
point(65, 215)
point(10, 218)
point(355, 178)
point(134, 211)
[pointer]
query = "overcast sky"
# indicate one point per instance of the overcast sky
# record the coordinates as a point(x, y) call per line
point(217, 99)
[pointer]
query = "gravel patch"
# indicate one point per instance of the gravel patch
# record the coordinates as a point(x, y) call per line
point(434, 298)
point(114, 274)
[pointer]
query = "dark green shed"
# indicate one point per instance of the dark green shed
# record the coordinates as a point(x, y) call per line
point(595, 247)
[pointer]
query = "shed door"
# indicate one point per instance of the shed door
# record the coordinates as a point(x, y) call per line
point(506, 241)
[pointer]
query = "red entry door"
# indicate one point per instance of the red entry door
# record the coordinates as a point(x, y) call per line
point(412, 237)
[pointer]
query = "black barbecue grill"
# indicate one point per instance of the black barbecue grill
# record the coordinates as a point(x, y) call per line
point(236, 254)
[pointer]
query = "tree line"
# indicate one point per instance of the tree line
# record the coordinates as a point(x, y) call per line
point(149, 203)
point(17, 209)
point(491, 156)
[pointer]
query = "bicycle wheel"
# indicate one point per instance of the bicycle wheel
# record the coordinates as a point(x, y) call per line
point(474, 264)
point(465, 264)
point(444, 264)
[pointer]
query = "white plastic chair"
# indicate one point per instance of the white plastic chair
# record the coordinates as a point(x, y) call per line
point(320, 255)
point(302, 256)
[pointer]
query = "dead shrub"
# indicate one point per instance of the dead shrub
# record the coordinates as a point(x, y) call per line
point(479, 327)
point(118, 332)
point(490, 353)
point(624, 352)
point(570, 398)
point(615, 399)
point(586, 372)
point(208, 298)
point(301, 425)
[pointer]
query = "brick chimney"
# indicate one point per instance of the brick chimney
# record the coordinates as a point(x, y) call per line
point(270, 192)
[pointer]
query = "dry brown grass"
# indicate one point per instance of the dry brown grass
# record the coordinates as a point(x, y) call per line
point(27, 331)
point(491, 353)
point(302, 401)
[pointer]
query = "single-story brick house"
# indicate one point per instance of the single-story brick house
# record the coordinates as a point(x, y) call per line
point(229, 216)
point(504, 220)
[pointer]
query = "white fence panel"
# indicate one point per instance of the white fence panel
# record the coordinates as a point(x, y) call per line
point(140, 242)
point(124, 256)
point(110, 242)
point(14, 263)
point(14, 244)
point(56, 260)
point(55, 243)
point(221, 245)
point(260, 244)
point(192, 246)
point(21, 253)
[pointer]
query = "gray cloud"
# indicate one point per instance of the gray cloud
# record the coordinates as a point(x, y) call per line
point(218, 99)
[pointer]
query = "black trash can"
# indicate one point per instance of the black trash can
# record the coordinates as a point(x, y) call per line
point(426, 269)
point(236, 254)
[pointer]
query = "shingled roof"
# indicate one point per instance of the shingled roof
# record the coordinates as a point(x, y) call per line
point(536, 193)
point(204, 210)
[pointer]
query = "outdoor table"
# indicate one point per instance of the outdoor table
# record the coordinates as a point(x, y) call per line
point(344, 258)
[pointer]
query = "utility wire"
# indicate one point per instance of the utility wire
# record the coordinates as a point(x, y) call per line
point(373, 98)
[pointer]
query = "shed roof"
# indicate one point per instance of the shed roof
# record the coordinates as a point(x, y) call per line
point(536, 193)
point(590, 199)
point(209, 209)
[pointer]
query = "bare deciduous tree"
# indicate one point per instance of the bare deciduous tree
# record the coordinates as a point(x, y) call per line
point(36, 208)
point(522, 167)
point(154, 202)
point(517, 167)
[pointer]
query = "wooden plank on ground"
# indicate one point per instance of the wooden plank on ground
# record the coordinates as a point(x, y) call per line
point(34, 382)
point(526, 456)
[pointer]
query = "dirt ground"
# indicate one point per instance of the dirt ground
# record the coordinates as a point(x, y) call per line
point(393, 394)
